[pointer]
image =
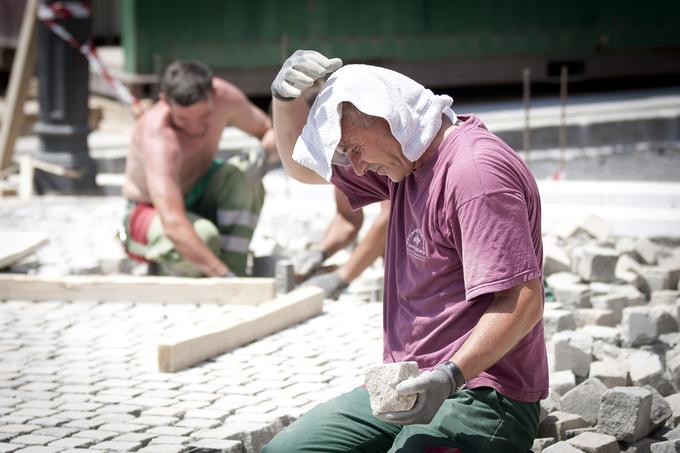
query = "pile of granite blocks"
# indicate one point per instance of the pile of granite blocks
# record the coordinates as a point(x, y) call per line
point(613, 338)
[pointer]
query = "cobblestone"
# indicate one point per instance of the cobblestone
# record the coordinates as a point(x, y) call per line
point(116, 446)
point(162, 448)
point(38, 449)
point(33, 439)
point(170, 440)
point(71, 442)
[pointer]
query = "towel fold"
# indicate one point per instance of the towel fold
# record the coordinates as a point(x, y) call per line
point(413, 113)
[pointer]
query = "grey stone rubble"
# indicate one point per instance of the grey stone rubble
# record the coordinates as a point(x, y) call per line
point(614, 342)
point(82, 375)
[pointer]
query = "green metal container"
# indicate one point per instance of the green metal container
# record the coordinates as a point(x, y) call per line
point(445, 42)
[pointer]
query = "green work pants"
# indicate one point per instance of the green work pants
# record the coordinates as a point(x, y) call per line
point(223, 206)
point(477, 420)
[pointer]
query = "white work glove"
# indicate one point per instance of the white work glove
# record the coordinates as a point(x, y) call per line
point(331, 283)
point(307, 261)
point(300, 71)
point(432, 387)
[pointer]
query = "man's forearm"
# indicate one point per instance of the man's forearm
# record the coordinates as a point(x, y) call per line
point(508, 319)
point(289, 119)
point(193, 249)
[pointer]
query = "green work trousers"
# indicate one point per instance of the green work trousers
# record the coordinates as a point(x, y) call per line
point(223, 206)
point(477, 420)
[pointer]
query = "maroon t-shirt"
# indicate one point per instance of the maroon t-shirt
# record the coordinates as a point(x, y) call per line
point(463, 226)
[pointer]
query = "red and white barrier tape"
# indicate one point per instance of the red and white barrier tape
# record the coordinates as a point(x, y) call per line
point(49, 14)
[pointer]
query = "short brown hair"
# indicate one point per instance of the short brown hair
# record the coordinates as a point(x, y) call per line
point(187, 82)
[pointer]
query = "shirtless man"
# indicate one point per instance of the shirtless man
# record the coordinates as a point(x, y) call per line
point(189, 212)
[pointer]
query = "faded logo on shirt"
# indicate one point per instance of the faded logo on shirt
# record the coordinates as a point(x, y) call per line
point(415, 244)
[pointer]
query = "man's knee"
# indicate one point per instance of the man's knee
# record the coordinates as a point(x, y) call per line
point(209, 234)
point(280, 443)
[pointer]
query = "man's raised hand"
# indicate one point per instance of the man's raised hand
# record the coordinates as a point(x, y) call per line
point(300, 71)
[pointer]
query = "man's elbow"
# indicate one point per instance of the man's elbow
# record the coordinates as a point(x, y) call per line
point(535, 312)
point(302, 173)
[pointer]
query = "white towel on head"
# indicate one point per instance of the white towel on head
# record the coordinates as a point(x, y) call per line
point(413, 113)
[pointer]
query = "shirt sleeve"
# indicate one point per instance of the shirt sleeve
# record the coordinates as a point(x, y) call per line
point(360, 190)
point(493, 238)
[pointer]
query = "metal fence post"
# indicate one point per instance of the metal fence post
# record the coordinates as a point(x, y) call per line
point(63, 83)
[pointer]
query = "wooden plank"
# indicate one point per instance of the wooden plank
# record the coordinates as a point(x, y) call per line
point(22, 71)
point(26, 175)
point(241, 291)
point(268, 318)
point(16, 245)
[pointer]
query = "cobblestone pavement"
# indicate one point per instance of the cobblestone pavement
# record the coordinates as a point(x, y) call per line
point(82, 376)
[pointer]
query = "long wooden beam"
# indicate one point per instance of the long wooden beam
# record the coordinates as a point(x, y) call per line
point(22, 71)
point(268, 318)
point(241, 291)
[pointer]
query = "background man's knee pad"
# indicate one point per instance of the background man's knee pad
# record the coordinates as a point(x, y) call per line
point(208, 233)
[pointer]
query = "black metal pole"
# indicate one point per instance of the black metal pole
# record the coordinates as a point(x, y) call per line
point(63, 84)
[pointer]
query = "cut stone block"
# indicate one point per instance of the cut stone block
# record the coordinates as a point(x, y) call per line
point(381, 383)
point(672, 263)
point(573, 295)
point(633, 295)
point(562, 447)
point(614, 302)
point(660, 412)
point(655, 278)
point(612, 373)
point(562, 381)
point(626, 244)
point(602, 288)
point(557, 423)
point(625, 412)
point(671, 342)
point(664, 297)
point(638, 326)
point(555, 259)
point(595, 443)
point(596, 317)
point(557, 321)
point(673, 369)
point(596, 227)
point(674, 403)
point(572, 351)
point(571, 433)
point(541, 444)
point(646, 368)
point(584, 400)
point(597, 264)
point(668, 324)
point(552, 402)
point(641, 446)
point(666, 433)
point(562, 278)
point(606, 351)
point(606, 334)
point(569, 290)
point(647, 250)
point(669, 446)
point(643, 325)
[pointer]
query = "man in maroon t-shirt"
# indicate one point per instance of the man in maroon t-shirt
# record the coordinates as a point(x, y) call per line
point(463, 281)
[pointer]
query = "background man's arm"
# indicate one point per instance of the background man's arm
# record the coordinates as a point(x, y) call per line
point(246, 116)
point(511, 315)
point(168, 199)
point(289, 119)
